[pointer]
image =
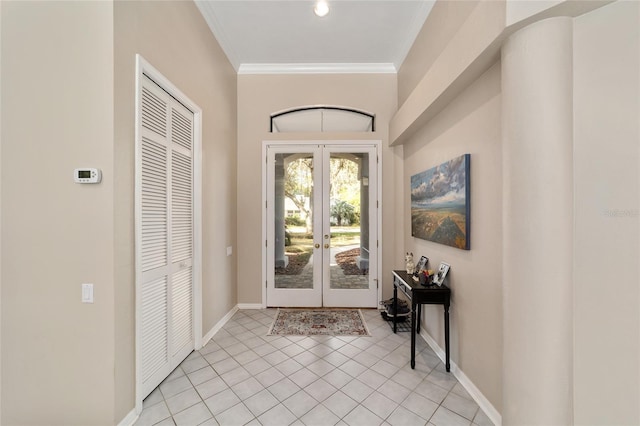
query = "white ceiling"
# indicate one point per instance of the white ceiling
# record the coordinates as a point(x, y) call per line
point(286, 36)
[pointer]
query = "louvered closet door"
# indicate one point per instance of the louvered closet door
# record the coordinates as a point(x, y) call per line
point(165, 246)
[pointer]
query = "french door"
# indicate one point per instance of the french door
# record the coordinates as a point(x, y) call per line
point(321, 225)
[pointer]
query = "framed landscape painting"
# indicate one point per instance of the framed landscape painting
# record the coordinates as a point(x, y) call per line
point(440, 198)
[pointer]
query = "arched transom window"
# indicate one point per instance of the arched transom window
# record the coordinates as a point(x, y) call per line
point(322, 119)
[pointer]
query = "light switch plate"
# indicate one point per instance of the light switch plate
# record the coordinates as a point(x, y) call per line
point(87, 293)
point(229, 251)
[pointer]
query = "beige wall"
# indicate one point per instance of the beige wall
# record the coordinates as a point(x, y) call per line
point(537, 227)
point(71, 104)
point(518, 10)
point(469, 125)
point(174, 38)
point(444, 20)
point(606, 110)
point(465, 117)
point(57, 115)
point(467, 50)
point(607, 201)
point(261, 95)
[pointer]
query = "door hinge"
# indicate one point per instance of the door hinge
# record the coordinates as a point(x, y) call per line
point(266, 284)
point(377, 159)
point(266, 243)
point(377, 243)
point(377, 204)
point(377, 283)
point(266, 204)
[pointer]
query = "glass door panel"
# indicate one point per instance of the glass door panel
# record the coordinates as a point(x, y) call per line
point(352, 226)
point(292, 261)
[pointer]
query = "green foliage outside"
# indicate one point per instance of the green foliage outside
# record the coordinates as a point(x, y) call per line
point(300, 240)
point(345, 209)
point(294, 221)
point(344, 213)
point(345, 187)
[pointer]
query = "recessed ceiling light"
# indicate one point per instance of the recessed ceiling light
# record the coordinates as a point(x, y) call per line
point(322, 8)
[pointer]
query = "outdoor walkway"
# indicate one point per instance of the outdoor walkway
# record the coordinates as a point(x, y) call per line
point(338, 279)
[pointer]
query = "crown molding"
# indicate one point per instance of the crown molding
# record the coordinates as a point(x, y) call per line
point(206, 10)
point(372, 68)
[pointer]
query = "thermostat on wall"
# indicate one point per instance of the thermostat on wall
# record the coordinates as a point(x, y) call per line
point(87, 175)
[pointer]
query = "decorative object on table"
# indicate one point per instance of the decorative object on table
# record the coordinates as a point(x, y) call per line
point(389, 313)
point(314, 322)
point(422, 264)
point(426, 277)
point(441, 274)
point(440, 203)
point(408, 260)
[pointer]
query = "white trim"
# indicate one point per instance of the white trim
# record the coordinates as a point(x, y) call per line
point(248, 306)
point(206, 10)
point(353, 68)
point(379, 210)
point(197, 226)
point(129, 419)
point(475, 393)
point(144, 67)
point(218, 326)
point(309, 297)
point(263, 221)
point(350, 297)
point(205, 339)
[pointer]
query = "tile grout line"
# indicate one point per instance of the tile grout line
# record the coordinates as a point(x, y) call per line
point(349, 345)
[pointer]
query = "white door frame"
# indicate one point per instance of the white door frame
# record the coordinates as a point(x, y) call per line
point(144, 67)
point(299, 297)
point(337, 143)
point(352, 298)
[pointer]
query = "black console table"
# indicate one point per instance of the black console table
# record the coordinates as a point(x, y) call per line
point(421, 295)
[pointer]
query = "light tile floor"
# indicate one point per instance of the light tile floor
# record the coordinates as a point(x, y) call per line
point(244, 377)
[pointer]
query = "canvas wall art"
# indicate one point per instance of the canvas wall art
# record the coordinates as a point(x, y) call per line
point(440, 198)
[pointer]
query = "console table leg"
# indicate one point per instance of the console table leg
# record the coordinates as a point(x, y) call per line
point(413, 334)
point(395, 307)
point(418, 318)
point(446, 336)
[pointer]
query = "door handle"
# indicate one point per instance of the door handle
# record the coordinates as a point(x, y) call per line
point(326, 246)
point(317, 246)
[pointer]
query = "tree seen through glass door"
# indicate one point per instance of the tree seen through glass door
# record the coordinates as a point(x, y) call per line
point(294, 257)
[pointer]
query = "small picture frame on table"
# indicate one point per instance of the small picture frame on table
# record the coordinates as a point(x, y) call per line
point(441, 274)
point(421, 265)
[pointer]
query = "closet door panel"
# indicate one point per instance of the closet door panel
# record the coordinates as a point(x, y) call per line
point(165, 235)
point(181, 232)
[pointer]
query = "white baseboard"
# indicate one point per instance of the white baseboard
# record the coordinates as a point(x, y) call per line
point(250, 306)
point(226, 318)
point(219, 325)
point(129, 419)
point(475, 393)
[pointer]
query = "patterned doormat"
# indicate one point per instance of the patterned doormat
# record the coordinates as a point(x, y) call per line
point(315, 322)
